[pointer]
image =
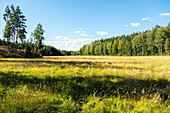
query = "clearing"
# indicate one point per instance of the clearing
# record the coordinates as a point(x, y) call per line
point(85, 84)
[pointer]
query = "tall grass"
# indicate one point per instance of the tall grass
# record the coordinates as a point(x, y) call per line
point(85, 84)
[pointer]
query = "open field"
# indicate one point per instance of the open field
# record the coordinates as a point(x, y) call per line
point(85, 84)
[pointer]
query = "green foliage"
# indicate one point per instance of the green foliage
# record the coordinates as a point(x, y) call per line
point(91, 49)
point(167, 47)
point(98, 49)
point(115, 48)
point(7, 32)
point(29, 50)
point(38, 35)
point(159, 40)
point(139, 44)
point(151, 42)
point(120, 46)
point(15, 24)
point(86, 50)
point(105, 52)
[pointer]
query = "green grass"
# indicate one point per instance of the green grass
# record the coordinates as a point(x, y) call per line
point(85, 84)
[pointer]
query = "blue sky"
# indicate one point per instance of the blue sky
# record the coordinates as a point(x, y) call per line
point(70, 24)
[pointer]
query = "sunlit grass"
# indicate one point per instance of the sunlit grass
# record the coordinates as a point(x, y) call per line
point(85, 84)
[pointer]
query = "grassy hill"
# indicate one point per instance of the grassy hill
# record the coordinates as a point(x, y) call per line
point(7, 52)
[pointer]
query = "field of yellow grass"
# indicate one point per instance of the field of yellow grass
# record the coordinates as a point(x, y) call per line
point(85, 84)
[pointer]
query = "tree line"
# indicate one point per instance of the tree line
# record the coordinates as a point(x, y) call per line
point(150, 42)
point(15, 35)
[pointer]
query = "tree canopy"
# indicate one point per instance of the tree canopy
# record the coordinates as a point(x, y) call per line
point(150, 42)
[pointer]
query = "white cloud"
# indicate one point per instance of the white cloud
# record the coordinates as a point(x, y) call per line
point(77, 31)
point(80, 31)
point(126, 25)
point(165, 14)
point(85, 35)
point(143, 19)
point(135, 24)
point(102, 33)
point(61, 37)
point(151, 20)
point(70, 45)
point(84, 39)
point(80, 28)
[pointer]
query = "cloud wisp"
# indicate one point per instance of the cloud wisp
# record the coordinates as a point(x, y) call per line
point(143, 19)
point(165, 14)
point(135, 24)
point(77, 31)
point(138, 24)
point(86, 35)
point(102, 33)
point(62, 38)
point(82, 33)
point(126, 25)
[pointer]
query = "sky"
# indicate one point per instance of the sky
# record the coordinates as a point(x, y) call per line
point(70, 24)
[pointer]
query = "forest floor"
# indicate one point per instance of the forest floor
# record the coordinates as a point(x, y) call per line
point(85, 84)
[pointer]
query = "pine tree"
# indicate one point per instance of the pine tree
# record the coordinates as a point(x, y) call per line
point(101, 48)
point(115, 47)
point(16, 23)
point(104, 49)
point(6, 16)
point(166, 34)
point(92, 49)
point(120, 47)
point(86, 50)
point(97, 50)
point(7, 32)
point(159, 40)
point(109, 47)
point(150, 42)
point(167, 47)
point(38, 37)
point(128, 48)
point(20, 25)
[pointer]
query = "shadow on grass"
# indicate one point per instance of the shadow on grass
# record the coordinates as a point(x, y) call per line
point(81, 87)
point(80, 64)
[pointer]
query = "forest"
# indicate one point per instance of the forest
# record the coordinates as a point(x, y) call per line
point(150, 42)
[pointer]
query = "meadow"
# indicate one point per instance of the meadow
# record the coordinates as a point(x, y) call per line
point(87, 84)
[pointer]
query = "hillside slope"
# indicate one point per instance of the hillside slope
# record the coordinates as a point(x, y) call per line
point(6, 52)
